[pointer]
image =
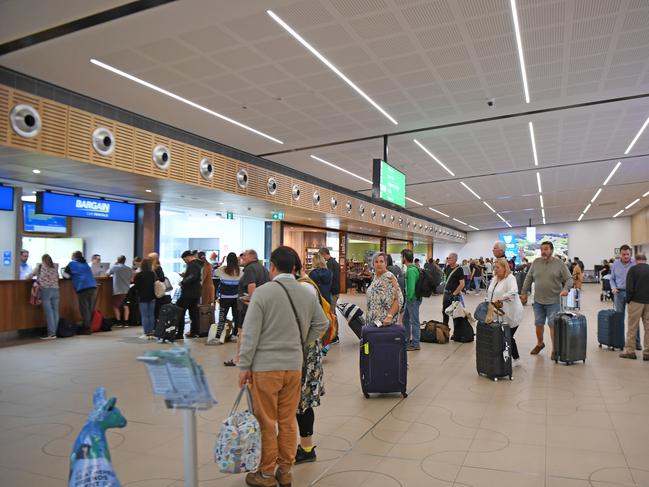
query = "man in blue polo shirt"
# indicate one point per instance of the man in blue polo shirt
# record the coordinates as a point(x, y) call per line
point(618, 283)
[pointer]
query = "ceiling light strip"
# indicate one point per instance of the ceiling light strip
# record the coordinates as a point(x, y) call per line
point(618, 213)
point(460, 221)
point(472, 192)
point(437, 211)
point(475, 228)
point(612, 172)
point(541, 200)
point(179, 98)
point(538, 181)
point(340, 169)
point(489, 206)
point(580, 217)
point(646, 194)
point(432, 156)
point(637, 136)
point(596, 195)
point(587, 208)
point(329, 64)
point(533, 139)
point(632, 203)
point(414, 201)
point(519, 44)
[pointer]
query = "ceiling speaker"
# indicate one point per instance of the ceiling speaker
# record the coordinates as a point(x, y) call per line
point(295, 192)
point(161, 157)
point(103, 141)
point(316, 198)
point(271, 186)
point(25, 121)
point(242, 178)
point(206, 168)
point(333, 202)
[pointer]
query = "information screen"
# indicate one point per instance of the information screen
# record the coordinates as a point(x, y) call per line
point(390, 183)
point(516, 244)
point(38, 223)
point(6, 198)
point(82, 207)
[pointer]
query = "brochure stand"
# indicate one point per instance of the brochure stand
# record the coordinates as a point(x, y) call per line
point(176, 376)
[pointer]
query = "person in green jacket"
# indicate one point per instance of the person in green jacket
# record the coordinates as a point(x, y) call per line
point(411, 313)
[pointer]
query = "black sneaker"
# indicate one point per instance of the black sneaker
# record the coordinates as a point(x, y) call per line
point(302, 456)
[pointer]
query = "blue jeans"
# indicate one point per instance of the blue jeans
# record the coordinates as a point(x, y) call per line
point(476, 282)
point(50, 296)
point(147, 315)
point(411, 322)
point(619, 300)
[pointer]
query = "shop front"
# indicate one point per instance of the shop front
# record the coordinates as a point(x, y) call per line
point(308, 241)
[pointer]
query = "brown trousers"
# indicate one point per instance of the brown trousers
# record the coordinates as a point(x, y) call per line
point(635, 312)
point(275, 396)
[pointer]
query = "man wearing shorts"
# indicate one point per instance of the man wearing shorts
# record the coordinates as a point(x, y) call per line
point(122, 275)
point(553, 280)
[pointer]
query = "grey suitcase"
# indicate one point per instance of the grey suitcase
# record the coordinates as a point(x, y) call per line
point(570, 331)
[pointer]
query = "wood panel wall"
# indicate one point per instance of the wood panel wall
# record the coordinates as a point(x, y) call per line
point(640, 227)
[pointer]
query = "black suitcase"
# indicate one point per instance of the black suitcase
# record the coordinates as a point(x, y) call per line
point(493, 350)
point(354, 317)
point(170, 323)
point(383, 360)
point(205, 319)
point(610, 329)
point(462, 330)
point(570, 334)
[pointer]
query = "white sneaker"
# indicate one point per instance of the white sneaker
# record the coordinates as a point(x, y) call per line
point(49, 337)
point(143, 337)
point(516, 362)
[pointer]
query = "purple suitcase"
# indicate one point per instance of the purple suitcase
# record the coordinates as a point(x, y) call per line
point(383, 360)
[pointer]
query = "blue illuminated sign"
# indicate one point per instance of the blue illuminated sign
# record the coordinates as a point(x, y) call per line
point(38, 223)
point(82, 207)
point(6, 198)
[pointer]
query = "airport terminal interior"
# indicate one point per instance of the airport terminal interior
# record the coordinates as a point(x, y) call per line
point(157, 155)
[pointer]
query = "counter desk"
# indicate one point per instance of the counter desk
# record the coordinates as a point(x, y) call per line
point(17, 314)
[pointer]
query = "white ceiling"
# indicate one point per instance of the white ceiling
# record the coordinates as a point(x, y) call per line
point(426, 62)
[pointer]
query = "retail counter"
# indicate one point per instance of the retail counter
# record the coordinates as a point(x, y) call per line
point(17, 314)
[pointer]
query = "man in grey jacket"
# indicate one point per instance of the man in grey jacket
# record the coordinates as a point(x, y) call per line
point(271, 362)
point(552, 281)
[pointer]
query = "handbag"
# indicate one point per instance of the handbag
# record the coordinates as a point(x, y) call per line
point(238, 445)
point(159, 289)
point(312, 372)
point(168, 286)
point(36, 293)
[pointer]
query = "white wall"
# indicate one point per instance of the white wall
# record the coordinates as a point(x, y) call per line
point(442, 249)
point(591, 240)
point(8, 242)
point(106, 238)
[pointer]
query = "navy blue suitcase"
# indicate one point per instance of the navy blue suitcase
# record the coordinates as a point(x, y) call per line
point(383, 360)
point(610, 329)
point(570, 336)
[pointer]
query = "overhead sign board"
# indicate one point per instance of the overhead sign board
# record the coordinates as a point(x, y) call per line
point(277, 215)
point(6, 198)
point(83, 207)
point(389, 184)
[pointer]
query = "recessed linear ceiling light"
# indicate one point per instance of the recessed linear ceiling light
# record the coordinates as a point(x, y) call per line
point(437, 211)
point(618, 213)
point(587, 208)
point(472, 192)
point(414, 201)
point(637, 136)
point(36, 171)
point(179, 98)
point(538, 181)
point(471, 226)
point(596, 195)
point(460, 221)
point(519, 44)
point(329, 64)
point(432, 156)
point(533, 139)
point(631, 204)
point(612, 172)
point(580, 217)
point(541, 199)
point(543, 213)
point(646, 194)
point(340, 169)
point(489, 206)
point(506, 222)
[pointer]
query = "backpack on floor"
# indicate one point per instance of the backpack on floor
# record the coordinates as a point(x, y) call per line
point(66, 329)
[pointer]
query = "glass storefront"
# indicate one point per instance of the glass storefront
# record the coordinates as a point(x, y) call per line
point(307, 241)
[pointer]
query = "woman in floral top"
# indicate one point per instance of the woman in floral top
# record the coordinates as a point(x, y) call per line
point(47, 276)
point(384, 298)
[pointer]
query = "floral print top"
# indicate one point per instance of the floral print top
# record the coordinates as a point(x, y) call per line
point(380, 296)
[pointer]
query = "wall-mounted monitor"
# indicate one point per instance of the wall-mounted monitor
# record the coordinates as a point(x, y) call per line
point(6, 198)
point(83, 207)
point(40, 224)
point(388, 183)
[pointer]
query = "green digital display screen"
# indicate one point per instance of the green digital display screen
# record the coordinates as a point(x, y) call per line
point(392, 185)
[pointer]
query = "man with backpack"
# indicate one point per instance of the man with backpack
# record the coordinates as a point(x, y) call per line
point(412, 302)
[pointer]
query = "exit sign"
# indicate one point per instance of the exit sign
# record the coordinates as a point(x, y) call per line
point(277, 215)
point(229, 215)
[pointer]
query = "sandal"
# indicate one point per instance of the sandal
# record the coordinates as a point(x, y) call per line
point(229, 363)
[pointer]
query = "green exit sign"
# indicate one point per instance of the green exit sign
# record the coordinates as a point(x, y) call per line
point(277, 215)
point(229, 215)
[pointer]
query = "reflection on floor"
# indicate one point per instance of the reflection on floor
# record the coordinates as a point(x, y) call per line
point(577, 426)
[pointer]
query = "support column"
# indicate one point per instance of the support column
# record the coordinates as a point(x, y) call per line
point(147, 229)
point(430, 250)
point(342, 260)
point(383, 245)
point(274, 237)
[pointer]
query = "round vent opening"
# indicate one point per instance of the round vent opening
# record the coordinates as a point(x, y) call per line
point(334, 203)
point(206, 169)
point(361, 210)
point(25, 121)
point(161, 157)
point(271, 186)
point(242, 178)
point(348, 205)
point(103, 141)
point(316, 198)
point(295, 192)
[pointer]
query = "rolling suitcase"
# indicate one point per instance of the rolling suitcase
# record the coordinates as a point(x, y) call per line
point(493, 350)
point(383, 360)
point(610, 329)
point(205, 319)
point(354, 317)
point(170, 323)
point(570, 334)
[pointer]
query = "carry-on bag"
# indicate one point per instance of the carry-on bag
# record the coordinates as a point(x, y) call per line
point(610, 329)
point(205, 319)
point(66, 328)
point(354, 317)
point(383, 360)
point(434, 332)
point(462, 330)
point(96, 321)
point(570, 334)
point(171, 322)
point(493, 350)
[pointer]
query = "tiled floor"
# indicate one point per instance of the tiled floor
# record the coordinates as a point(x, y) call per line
point(554, 426)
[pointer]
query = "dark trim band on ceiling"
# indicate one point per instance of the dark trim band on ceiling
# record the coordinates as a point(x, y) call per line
point(462, 123)
point(80, 24)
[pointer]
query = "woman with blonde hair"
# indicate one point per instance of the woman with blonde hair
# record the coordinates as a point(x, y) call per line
point(503, 293)
point(160, 276)
point(322, 276)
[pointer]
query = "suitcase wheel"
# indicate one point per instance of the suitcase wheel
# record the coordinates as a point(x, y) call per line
point(404, 394)
point(495, 379)
point(511, 378)
point(367, 396)
point(600, 345)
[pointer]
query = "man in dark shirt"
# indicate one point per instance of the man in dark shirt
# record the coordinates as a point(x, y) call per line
point(191, 289)
point(637, 298)
point(334, 267)
point(254, 275)
point(454, 278)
